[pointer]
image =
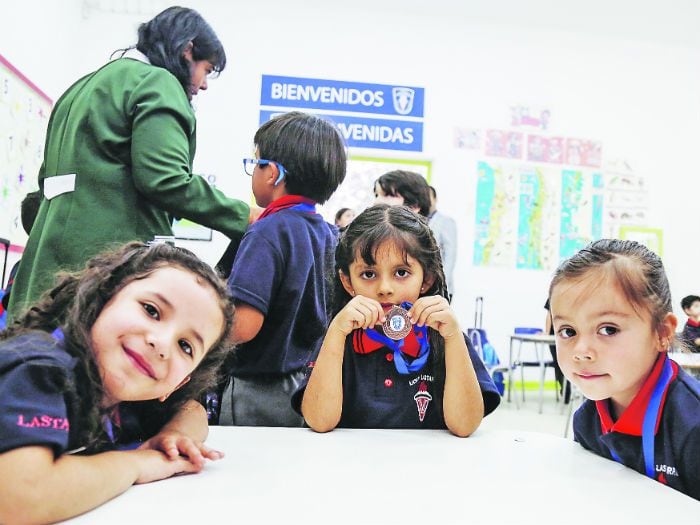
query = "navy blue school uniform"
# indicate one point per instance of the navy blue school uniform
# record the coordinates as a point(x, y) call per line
point(691, 332)
point(38, 398)
point(376, 395)
point(281, 270)
point(676, 446)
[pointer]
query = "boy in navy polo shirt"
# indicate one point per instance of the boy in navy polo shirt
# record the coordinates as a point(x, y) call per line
point(612, 315)
point(691, 330)
point(279, 275)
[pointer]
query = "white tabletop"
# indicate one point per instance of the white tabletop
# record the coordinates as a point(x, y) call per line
point(685, 359)
point(399, 476)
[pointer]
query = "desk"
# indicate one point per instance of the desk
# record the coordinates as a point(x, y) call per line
point(689, 361)
point(541, 342)
point(285, 475)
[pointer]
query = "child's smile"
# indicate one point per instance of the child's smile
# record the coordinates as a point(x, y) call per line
point(153, 333)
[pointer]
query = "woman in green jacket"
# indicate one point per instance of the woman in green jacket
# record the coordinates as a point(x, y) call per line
point(118, 156)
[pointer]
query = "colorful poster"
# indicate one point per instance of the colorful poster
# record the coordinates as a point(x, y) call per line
point(506, 144)
point(496, 215)
point(357, 190)
point(587, 153)
point(626, 198)
point(24, 115)
point(537, 225)
point(652, 238)
point(545, 149)
point(581, 210)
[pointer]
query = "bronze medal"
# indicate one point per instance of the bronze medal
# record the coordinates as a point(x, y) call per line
point(397, 324)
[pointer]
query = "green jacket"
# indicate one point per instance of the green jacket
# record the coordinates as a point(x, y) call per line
point(128, 133)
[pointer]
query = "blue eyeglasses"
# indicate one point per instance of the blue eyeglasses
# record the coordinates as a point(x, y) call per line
point(249, 167)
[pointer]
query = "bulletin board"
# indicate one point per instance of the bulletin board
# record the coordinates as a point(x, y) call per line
point(24, 116)
point(357, 190)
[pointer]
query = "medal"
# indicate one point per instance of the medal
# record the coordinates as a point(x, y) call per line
point(397, 324)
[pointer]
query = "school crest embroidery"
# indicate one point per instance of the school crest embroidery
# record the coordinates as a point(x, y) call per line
point(422, 398)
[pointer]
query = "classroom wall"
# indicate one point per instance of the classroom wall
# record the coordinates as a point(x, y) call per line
point(624, 74)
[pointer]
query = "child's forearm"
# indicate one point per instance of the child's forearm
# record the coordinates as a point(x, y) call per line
point(463, 404)
point(38, 489)
point(322, 404)
point(190, 420)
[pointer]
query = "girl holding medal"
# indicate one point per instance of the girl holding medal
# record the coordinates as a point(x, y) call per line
point(613, 320)
point(394, 355)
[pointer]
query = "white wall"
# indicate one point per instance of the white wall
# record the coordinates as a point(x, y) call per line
point(626, 74)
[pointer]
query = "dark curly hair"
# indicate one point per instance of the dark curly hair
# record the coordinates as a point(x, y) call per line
point(76, 302)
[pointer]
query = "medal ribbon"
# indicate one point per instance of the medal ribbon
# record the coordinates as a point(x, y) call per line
point(650, 417)
point(402, 367)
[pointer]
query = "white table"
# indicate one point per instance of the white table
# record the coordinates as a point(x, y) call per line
point(399, 476)
point(689, 361)
point(541, 343)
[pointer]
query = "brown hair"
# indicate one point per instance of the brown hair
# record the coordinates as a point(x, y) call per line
point(76, 302)
point(637, 270)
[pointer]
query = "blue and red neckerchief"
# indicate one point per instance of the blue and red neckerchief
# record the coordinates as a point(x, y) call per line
point(643, 416)
point(415, 345)
point(296, 202)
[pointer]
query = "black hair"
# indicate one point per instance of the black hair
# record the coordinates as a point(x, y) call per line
point(76, 302)
point(29, 209)
point(688, 301)
point(409, 185)
point(432, 190)
point(164, 40)
point(311, 150)
point(339, 214)
point(637, 270)
point(412, 236)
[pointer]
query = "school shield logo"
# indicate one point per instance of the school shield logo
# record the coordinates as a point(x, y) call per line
point(422, 398)
point(403, 99)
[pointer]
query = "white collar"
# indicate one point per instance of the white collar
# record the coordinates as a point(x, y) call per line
point(136, 55)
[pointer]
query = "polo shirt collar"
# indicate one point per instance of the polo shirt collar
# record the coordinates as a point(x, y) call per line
point(630, 422)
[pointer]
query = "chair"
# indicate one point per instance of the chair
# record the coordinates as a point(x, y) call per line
point(541, 343)
point(494, 367)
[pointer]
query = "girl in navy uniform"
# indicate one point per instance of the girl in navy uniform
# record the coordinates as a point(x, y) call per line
point(417, 370)
point(110, 356)
point(612, 316)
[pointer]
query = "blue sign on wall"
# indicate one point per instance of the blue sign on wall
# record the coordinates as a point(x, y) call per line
point(365, 132)
point(338, 95)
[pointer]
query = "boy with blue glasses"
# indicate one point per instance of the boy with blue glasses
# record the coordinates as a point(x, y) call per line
point(279, 276)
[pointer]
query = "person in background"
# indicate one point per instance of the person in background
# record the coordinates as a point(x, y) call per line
point(614, 324)
point(403, 188)
point(563, 385)
point(279, 279)
point(119, 150)
point(28, 210)
point(445, 231)
point(343, 217)
point(691, 330)
point(416, 369)
point(140, 326)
